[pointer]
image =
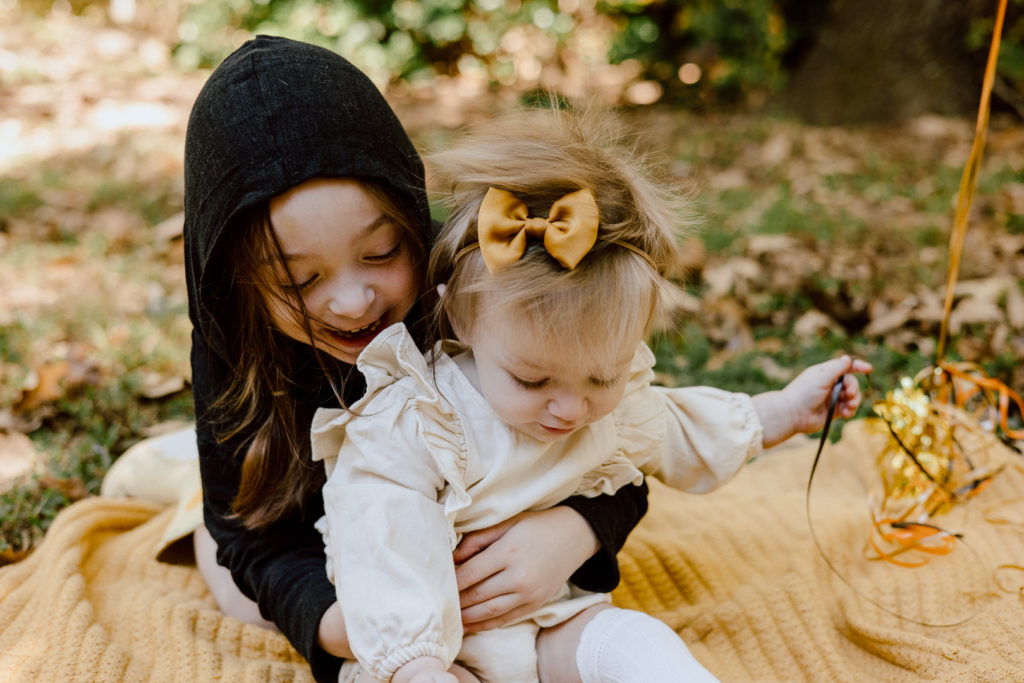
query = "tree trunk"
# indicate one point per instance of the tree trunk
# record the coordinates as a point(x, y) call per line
point(876, 61)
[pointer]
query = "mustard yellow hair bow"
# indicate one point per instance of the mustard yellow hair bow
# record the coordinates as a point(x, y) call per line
point(504, 224)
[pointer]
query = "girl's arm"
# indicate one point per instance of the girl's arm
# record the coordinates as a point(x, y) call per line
point(281, 567)
point(611, 518)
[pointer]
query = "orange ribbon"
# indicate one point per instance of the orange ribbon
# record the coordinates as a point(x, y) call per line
point(969, 380)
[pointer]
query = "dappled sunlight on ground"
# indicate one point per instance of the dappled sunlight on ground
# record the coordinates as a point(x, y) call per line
point(810, 237)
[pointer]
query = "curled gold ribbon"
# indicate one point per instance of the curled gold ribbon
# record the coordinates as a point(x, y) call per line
point(504, 224)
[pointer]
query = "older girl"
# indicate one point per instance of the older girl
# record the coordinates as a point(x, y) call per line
point(306, 230)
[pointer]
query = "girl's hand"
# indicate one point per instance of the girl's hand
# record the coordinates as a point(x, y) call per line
point(513, 568)
point(423, 670)
point(801, 407)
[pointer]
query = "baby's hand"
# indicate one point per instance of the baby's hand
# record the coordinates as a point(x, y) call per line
point(423, 670)
point(801, 407)
point(808, 396)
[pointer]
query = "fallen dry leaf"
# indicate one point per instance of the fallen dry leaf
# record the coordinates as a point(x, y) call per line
point(773, 370)
point(776, 149)
point(887, 321)
point(771, 244)
point(12, 556)
point(155, 385)
point(727, 324)
point(164, 427)
point(973, 310)
point(771, 345)
point(729, 180)
point(726, 276)
point(44, 385)
point(1015, 308)
point(54, 379)
point(813, 324)
point(73, 488)
point(170, 229)
point(18, 457)
point(24, 423)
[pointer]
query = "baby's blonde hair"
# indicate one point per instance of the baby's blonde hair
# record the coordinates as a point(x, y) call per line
point(540, 155)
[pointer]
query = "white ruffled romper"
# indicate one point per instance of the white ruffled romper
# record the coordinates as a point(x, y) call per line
point(422, 459)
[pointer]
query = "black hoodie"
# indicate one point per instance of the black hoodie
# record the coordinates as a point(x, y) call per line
point(274, 114)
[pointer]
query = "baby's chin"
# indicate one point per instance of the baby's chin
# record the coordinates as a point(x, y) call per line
point(544, 434)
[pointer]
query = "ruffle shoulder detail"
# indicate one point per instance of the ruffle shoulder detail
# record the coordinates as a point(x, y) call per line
point(402, 394)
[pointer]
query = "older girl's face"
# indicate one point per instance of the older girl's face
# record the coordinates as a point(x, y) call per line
point(350, 264)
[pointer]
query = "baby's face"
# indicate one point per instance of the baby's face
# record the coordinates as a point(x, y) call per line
point(545, 389)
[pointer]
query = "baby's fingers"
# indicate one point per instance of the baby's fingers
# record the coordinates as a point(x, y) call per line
point(860, 366)
point(850, 396)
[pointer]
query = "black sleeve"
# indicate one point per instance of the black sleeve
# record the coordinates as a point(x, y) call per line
point(282, 567)
point(612, 517)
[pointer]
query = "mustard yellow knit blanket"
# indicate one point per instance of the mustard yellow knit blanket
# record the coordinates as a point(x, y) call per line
point(735, 572)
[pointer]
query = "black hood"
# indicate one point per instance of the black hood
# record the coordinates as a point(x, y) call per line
point(274, 114)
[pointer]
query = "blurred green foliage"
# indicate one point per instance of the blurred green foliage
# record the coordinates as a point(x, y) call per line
point(1010, 66)
point(736, 45)
point(701, 53)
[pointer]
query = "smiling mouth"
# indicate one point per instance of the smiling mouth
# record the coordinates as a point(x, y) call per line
point(358, 335)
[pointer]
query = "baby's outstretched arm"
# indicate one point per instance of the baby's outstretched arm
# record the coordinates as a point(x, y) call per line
point(801, 407)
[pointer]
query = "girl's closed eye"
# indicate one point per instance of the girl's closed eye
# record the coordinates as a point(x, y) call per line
point(528, 384)
point(605, 383)
point(386, 256)
point(304, 284)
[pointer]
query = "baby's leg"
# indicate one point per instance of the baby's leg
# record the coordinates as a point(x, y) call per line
point(463, 675)
point(507, 654)
point(604, 644)
point(364, 677)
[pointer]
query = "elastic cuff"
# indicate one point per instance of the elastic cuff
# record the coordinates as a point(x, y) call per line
point(747, 414)
point(394, 660)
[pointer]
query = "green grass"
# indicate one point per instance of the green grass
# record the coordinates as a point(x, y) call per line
point(684, 358)
point(887, 204)
point(84, 433)
point(111, 341)
point(18, 197)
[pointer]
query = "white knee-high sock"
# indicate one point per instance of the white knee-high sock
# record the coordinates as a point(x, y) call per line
point(624, 646)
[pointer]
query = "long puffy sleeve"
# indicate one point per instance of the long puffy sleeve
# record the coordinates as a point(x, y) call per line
point(388, 525)
point(709, 435)
point(389, 541)
point(691, 438)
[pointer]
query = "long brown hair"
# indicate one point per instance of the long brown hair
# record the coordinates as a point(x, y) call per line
point(278, 474)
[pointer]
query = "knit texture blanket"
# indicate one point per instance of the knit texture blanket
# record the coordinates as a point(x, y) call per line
point(735, 572)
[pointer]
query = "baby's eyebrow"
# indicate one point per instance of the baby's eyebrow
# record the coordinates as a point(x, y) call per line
point(529, 365)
